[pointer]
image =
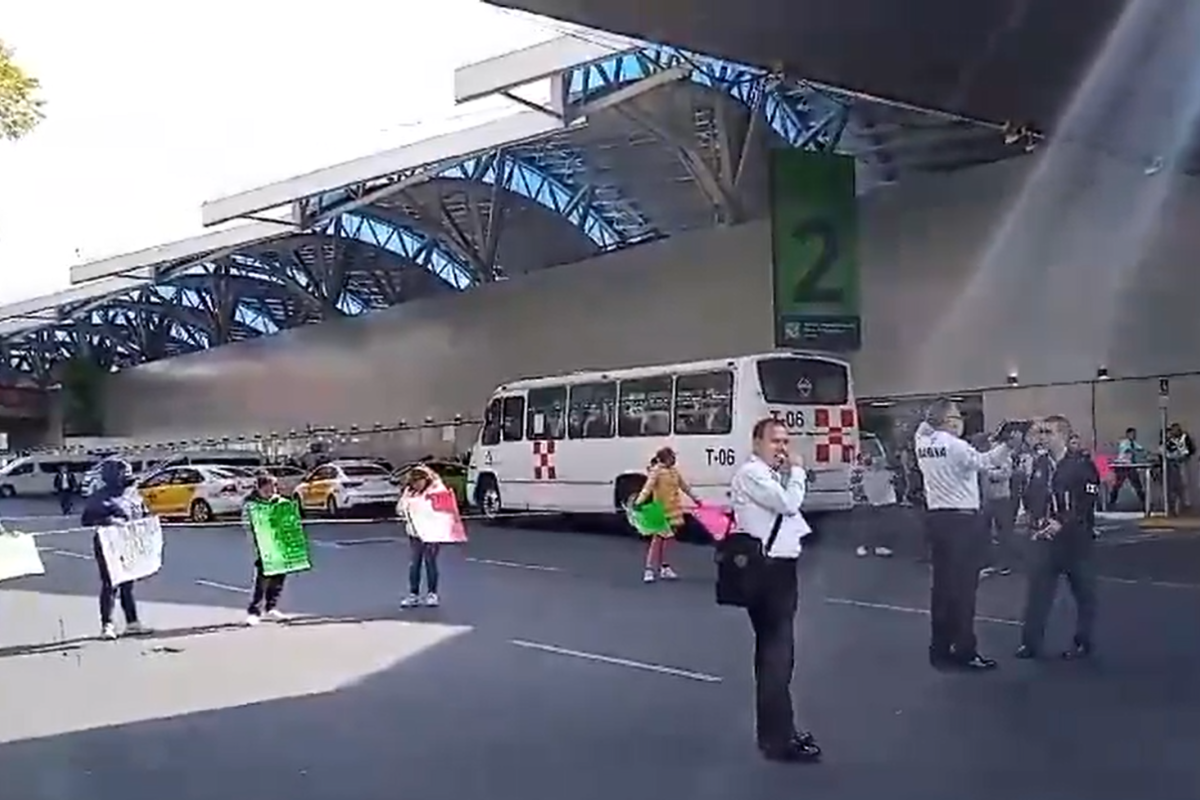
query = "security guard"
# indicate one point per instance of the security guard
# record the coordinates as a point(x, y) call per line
point(957, 531)
point(1061, 499)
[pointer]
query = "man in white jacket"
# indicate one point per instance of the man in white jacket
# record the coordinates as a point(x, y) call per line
point(767, 492)
point(958, 536)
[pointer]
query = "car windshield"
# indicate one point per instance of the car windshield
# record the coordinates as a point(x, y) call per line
point(228, 472)
point(363, 471)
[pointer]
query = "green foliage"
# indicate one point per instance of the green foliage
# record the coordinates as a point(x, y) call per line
point(20, 107)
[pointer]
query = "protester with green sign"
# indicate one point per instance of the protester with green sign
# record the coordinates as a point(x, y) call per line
point(280, 546)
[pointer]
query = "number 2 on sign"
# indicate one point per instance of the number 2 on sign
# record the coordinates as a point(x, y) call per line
point(809, 286)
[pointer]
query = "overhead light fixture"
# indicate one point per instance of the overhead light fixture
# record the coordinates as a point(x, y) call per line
point(1102, 374)
point(1013, 380)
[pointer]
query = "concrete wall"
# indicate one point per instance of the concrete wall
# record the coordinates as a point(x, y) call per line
point(708, 294)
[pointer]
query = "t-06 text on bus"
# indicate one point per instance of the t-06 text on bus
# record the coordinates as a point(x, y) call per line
point(581, 443)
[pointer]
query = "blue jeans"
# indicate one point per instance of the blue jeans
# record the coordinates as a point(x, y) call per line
point(422, 553)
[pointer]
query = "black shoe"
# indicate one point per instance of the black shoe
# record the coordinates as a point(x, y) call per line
point(801, 749)
point(1080, 651)
point(1025, 652)
point(977, 663)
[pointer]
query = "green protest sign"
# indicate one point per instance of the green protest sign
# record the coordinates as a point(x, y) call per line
point(814, 247)
point(282, 543)
point(649, 519)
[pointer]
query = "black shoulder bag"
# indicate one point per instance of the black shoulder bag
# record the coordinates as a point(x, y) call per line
point(741, 567)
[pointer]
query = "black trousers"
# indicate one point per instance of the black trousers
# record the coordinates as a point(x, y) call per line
point(1048, 560)
point(110, 593)
point(1122, 474)
point(773, 618)
point(266, 588)
point(65, 501)
point(958, 542)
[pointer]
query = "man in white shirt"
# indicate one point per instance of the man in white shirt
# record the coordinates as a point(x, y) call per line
point(767, 492)
point(958, 535)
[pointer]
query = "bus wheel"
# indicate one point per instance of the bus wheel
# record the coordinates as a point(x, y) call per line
point(7, 490)
point(200, 512)
point(627, 489)
point(487, 496)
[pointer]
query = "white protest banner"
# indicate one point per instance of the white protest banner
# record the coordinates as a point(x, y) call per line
point(19, 556)
point(434, 517)
point(132, 550)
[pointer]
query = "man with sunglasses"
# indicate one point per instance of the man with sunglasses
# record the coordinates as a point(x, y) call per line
point(957, 531)
point(1063, 488)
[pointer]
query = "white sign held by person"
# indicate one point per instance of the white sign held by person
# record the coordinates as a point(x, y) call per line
point(132, 550)
point(434, 517)
point(19, 556)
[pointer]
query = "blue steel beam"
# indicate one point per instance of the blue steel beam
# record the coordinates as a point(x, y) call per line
point(261, 283)
point(800, 115)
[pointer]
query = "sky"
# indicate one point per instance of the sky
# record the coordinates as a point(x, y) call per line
point(153, 108)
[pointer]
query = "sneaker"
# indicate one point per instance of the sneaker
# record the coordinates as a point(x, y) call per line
point(649, 576)
point(883, 552)
point(862, 552)
point(668, 574)
point(252, 620)
point(987, 572)
point(412, 601)
point(432, 600)
point(136, 629)
point(108, 632)
point(275, 615)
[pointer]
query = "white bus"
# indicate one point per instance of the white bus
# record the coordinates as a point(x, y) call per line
point(581, 443)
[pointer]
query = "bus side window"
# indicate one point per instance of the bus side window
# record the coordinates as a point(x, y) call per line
point(491, 424)
point(704, 403)
point(547, 414)
point(512, 419)
point(645, 407)
point(593, 411)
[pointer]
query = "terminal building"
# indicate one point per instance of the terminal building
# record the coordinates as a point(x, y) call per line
point(625, 220)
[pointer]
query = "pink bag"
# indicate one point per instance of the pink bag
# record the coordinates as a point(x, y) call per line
point(717, 520)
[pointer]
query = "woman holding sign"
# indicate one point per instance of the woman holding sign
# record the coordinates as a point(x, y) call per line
point(431, 517)
point(267, 588)
point(666, 487)
point(114, 501)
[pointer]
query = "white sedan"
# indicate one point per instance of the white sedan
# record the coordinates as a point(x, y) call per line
point(199, 492)
point(346, 485)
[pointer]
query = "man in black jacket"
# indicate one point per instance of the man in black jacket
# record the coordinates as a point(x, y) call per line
point(1061, 498)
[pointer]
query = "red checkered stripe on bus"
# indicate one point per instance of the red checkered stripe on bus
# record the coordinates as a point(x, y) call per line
point(543, 461)
point(831, 437)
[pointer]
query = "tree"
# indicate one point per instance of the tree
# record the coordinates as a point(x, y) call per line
point(20, 107)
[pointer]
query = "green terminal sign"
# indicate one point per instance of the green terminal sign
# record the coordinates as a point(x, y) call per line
point(814, 244)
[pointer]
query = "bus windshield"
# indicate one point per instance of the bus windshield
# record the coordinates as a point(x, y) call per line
point(789, 380)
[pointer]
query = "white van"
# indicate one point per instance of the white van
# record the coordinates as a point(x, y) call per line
point(34, 475)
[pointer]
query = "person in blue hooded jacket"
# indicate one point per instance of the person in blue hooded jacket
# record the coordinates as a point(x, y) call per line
point(114, 500)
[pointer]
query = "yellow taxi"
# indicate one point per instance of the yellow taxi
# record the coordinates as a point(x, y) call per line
point(198, 492)
point(347, 485)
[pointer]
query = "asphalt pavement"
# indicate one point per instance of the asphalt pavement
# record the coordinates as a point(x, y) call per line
point(552, 671)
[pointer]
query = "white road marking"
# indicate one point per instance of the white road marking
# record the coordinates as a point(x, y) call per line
point(222, 586)
point(372, 540)
point(843, 601)
point(326, 545)
point(71, 554)
point(513, 565)
point(1158, 584)
point(619, 662)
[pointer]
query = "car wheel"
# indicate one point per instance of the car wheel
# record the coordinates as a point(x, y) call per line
point(331, 506)
point(299, 505)
point(201, 511)
point(7, 490)
point(490, 502)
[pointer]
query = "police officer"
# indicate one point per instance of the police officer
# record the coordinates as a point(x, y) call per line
point(958, 536)
point(1063, 487)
